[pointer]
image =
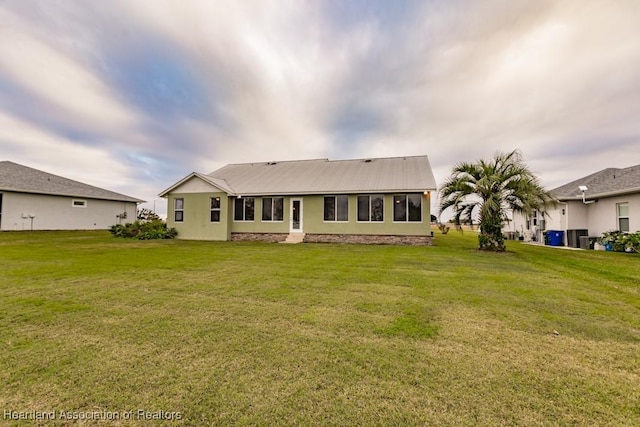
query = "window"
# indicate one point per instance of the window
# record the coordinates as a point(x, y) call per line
point(407, 208)
point(79, 203)
point(243, 209)
point(371, 208)
point(215, 209)
point(336, 208)
point(623, 217)
point(178, 210)
point(272, 208)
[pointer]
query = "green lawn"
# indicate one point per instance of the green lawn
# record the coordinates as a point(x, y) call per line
point(264, 334)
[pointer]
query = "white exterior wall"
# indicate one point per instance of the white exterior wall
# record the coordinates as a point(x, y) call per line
point(517, 222)
point(58, 212)
point(596, 217)
point(603, 215)
point(577, 215)
point(556, 218)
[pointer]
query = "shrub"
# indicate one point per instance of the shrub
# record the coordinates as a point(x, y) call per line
point(143, 230)
point(618, 241)
point(444, 228)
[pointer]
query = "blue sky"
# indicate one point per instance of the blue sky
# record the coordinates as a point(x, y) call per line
point(134, 95)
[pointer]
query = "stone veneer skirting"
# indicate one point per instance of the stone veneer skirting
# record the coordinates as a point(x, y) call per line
point(259, 237)
point(369, 239)
point(360, 239)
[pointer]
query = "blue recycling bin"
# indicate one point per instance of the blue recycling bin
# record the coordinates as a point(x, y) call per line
point(556, 237)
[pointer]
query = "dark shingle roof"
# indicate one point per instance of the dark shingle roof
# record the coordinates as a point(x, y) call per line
point(23, 179)
point(607, 181)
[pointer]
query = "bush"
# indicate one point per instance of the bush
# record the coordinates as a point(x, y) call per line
point(444, 228)
point(143, 230)
point(618, 241)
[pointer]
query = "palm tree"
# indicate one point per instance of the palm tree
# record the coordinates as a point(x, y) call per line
point(489, 189)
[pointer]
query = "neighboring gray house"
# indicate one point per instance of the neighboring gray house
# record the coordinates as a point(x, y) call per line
point(604, 201)
point(31, 199)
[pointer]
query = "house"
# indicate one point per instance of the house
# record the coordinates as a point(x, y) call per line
point(604, 201)
point(31, 199)
point(379, 200)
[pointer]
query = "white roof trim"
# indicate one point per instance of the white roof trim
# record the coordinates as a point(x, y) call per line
point(603, 195)
point(220, 184)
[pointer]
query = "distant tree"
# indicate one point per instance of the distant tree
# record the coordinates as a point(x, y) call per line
point(489, 189)
point(145, 214)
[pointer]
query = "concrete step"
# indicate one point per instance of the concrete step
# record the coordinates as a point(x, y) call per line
point(294, 238)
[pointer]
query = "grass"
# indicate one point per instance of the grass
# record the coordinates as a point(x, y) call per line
point(263, 334)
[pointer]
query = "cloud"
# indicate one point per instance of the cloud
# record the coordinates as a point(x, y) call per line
point(500, 75)
point(23, 143)
point(166, 87)
point(278, 91)
point(58, 83)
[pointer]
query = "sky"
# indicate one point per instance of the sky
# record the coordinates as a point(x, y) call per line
point(134, 95)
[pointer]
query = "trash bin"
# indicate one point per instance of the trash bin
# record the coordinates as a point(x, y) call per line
point(556, 237)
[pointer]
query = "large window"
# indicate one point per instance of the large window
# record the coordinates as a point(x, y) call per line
point(272, 208)
point(407, 207)
point(336, 208)
point(371, 208)
point(178, 210)
point(243, 209)
point(623, 217)
point(215, 209)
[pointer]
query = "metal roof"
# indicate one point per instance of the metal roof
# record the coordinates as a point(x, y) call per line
point(323, 176)
point(23, 179)
point(608, 181)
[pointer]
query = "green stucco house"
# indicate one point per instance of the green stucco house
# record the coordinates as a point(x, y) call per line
point(378, 200)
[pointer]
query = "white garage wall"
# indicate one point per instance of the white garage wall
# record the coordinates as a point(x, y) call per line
point(58, 212)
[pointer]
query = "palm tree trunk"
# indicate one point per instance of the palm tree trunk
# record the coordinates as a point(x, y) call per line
point(491, 238)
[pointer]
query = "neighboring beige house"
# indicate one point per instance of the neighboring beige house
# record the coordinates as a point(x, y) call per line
point(384, 200)
point(604, 201)
point(31, 199)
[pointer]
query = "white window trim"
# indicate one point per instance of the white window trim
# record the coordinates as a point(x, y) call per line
point(370, 221)
point(618, 217)
point(243, 210)
point(82, 205)
point(178, 210)
point(214, 210)
point(270, 221)
point(327, 221)
point(406, 221)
